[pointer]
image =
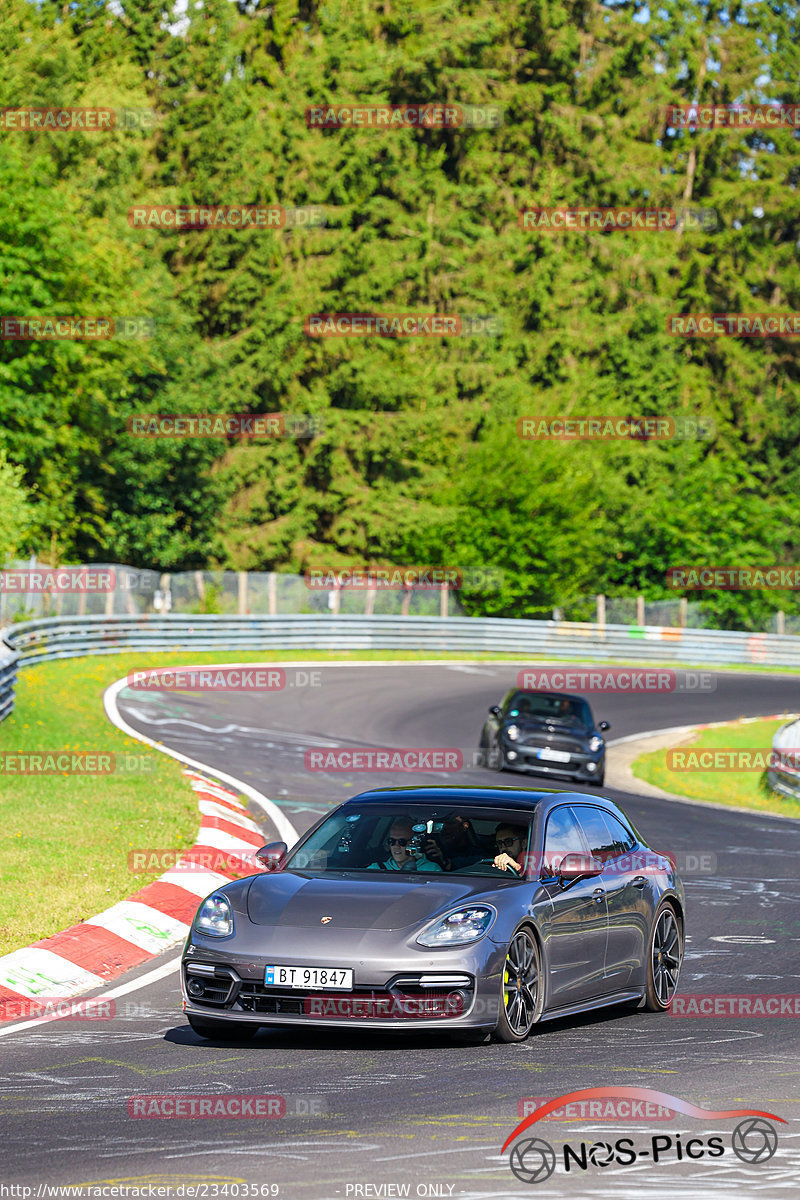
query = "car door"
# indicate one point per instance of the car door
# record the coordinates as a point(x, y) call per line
point(574, 921)
point(626, 894)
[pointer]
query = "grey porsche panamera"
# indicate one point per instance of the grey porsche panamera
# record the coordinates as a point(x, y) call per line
point(473, 909)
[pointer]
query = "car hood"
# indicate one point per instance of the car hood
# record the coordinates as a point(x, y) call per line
point(382, 901)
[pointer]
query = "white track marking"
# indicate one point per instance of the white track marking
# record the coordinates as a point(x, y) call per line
point(286, 830)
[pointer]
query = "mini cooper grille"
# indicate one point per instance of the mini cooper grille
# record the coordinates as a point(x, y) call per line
point(569, 745)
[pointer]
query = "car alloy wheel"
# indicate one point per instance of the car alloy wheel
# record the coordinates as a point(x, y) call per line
point(664, 960)
point(521, 997)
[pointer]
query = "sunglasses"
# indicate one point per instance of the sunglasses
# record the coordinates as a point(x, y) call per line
point(504, 843)
point(398, 841)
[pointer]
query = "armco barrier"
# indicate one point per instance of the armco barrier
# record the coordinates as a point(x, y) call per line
point(8, 678)
point(66, 637)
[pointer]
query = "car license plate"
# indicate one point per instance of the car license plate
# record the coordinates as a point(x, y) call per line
point(331, 978)
point(553, 755)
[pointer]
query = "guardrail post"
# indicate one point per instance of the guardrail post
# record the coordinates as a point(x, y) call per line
point(601, 612)
point(242, 592)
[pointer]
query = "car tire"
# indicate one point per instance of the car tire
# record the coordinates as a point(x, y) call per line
point(495, 760)
point(521, 988)
point(664, 958)
point(230, 1031)
point(601, 778)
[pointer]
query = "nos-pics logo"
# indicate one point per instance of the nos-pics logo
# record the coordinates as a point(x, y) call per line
point(533, 1160)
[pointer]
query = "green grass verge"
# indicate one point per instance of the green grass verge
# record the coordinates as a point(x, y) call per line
point(746, 789)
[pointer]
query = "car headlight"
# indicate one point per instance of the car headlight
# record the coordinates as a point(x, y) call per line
point(458, 928)
point(595, 743)
point(215, 917)
point(512, 732)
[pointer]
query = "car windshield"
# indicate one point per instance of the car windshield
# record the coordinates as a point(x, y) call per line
point(566, 709)
point(415, 838)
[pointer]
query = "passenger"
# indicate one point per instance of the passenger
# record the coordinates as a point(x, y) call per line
point(510, 844)
point(400, 859)
point(454, 846)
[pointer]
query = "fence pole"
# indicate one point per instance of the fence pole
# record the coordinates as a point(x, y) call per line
point(601, 612)
point(369, 607)
point(242, 593)
point(780, 623)
point(272, 594)
point(640, 610)
point(683, 619)
point(443, 600)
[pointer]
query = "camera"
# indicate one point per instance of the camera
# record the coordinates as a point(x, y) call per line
point(419, 835)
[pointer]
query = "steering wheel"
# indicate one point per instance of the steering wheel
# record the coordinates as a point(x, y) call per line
point(490, 862)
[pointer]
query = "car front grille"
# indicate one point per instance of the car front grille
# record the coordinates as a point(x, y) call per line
point(408, 996)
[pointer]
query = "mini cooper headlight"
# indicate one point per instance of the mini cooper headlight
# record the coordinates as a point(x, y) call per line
point(595, 743)
point(215, 917)
point(458, 928)
point(512, 732)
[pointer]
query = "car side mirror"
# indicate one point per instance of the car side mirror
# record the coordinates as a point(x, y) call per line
point(495, 711)
point(273, 856)
point(603, 726)
point(578, 866)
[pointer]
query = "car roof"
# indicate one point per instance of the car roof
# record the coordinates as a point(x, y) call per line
point(478, 797)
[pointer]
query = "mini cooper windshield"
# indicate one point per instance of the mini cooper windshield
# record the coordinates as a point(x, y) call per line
point(417, 839)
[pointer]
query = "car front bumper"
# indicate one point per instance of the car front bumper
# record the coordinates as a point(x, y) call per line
point(448, 989)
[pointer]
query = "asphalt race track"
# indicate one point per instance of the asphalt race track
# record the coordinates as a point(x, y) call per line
point(422, 1113)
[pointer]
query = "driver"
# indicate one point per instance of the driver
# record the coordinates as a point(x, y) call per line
point(400, 858)
point(510, 844)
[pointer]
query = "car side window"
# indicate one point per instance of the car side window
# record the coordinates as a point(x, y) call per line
point(622, 839)
point(562, 836)
point(597, 833)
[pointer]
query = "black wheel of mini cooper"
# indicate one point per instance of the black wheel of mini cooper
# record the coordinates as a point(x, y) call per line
point(223, 1031)
point(496, 759)
point(521, 989)
point(664, 958)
